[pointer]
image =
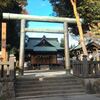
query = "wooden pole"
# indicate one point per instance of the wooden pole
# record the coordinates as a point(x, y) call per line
point(3, 43)
point(82, 42)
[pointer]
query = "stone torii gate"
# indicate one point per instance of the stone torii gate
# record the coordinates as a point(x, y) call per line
point(25, 18)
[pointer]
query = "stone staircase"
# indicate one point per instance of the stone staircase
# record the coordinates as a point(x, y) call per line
point(28, 87)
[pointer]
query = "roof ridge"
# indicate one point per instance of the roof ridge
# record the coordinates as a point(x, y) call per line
point(44, 38)
point(41, 38)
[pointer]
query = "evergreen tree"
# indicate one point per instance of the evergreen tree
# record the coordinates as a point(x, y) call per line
point(88, 9)
point(13, 26)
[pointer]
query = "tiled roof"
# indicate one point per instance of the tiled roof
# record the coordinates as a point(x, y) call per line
point(33, 44)
point(88, 42)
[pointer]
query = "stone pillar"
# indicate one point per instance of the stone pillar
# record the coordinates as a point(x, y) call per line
point(85, 66)
point(12, 66)
point(66, 46)
point(22, 47)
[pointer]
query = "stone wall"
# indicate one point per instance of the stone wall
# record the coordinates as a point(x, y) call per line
point(92, 85)
point(7, 90)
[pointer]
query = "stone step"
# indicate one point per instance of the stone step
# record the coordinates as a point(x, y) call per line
point(42, 88)
point(38, 93)
point(28, 77)
point(46, 85)
point(46, 80)
point(28, 86)
point(49, 95)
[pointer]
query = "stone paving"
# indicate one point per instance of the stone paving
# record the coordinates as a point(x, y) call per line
point(78, 97)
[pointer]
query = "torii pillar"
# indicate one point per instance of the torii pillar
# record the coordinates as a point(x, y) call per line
point(22, 46)
point(66, 46)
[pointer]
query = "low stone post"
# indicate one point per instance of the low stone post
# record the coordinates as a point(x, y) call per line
point(85, 66)
point(12, 66)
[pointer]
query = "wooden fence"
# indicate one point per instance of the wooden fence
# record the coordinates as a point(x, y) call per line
point(86, 68)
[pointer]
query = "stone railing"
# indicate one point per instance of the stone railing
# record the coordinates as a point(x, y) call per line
point(86, 68)
point(7, 77)
point(4, 70)
point(7, 69)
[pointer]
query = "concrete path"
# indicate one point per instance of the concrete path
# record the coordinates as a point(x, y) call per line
point(79, 97)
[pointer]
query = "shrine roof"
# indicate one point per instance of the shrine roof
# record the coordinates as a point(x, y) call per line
point(43, 44)
point(89, 42)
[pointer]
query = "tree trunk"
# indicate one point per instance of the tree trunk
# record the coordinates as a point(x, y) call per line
point(79, 27)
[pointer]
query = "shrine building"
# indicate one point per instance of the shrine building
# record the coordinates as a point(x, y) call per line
point(44, 51)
